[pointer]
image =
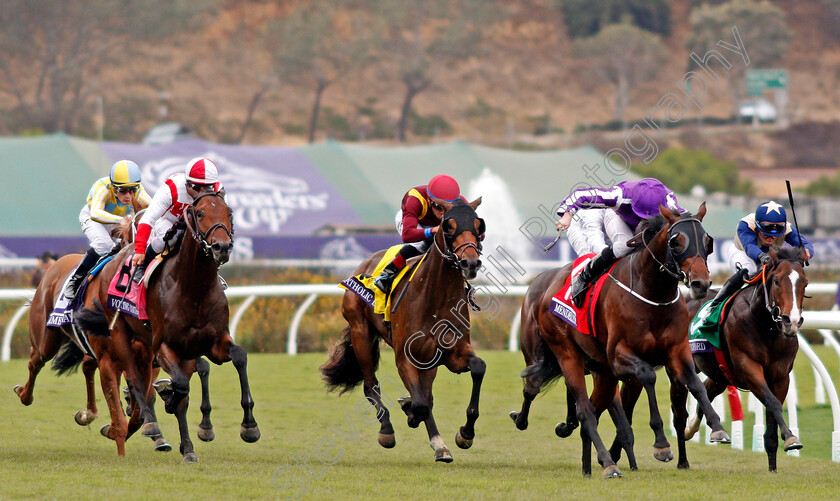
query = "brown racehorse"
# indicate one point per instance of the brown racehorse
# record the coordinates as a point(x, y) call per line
point(47, 341)
point(759, 344)
point(188, 313)
point(429, 328)
point(640, 321)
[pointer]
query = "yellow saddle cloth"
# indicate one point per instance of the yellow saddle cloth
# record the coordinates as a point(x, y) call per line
point(364, 288)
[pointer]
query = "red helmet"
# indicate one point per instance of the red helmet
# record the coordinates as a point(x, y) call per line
point(202, 171)
point(444, 188)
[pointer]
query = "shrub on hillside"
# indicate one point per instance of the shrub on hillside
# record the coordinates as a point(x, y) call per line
point(585, 18)
point(681, 169)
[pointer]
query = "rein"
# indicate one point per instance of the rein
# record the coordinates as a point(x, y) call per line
point(769, 301)
point(192, 224)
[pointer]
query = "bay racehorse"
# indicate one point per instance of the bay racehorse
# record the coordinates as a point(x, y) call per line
point(188, 317)
point(759, 344)
point(641, 323)
point(429, 328)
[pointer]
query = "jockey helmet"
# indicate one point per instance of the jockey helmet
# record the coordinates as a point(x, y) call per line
point(444, 188)
point(125, 173)
point(771, 219)
point(647, 195)
point(202, 171)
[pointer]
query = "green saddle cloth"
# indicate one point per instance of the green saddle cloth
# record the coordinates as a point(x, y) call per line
point(706, 324)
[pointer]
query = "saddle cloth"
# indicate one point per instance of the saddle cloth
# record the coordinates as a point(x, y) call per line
point(133, 300)
point(362, 285)
point(62, 313)
point(705, 329)
point(562, 306)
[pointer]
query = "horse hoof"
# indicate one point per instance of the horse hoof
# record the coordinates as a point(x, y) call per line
point(151, 430)
point(18, 389)
point(563, 430)
point(163, 385)
point(520, 425)
point(104, 430)
point(793, 444)
point(161, 445)
point(664, 454)
point(387, 440)
point(80, 418)
point(207, 435)
point(612, 472)
point(720, 436)
point(443, 455)
point(405, 404)
point(462, 442)
point(250, 435)
point(190, 457)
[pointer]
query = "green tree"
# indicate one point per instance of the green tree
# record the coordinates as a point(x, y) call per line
point(681, 169)
point(318, 45)
point(51, 53)
point(824, 186)
point(623, 56)
point(762, 29)
point(585, 18)
point(422, 38)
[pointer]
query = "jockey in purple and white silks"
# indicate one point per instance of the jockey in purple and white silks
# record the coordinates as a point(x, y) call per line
point(631, 202)
point(586, 232)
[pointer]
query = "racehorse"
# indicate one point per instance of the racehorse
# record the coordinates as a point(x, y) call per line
point(641, 322)
point(428, 329)
point(759, 344)
point(48, 341)
point(188, 315)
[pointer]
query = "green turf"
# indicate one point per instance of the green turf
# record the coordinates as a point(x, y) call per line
point(44, 454)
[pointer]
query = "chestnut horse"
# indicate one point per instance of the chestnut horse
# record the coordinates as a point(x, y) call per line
point(641, 322)
point(429, 328)
point(47, 341)
point(188, 314)
point(759, 343)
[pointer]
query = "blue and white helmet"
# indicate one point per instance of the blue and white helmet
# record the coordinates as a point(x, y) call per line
point(771, 219)
point(125, 173)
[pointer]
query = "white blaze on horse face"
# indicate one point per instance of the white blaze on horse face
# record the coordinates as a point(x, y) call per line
point(794, 309)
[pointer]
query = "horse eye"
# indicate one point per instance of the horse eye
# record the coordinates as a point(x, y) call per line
point(776, 281)
point(199, 213)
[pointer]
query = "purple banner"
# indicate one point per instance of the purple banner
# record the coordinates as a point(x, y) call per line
point(272, 190)
point(353, 284)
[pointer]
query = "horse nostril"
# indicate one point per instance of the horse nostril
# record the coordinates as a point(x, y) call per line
point(785, 319)
point(464, 263)
point(216, 247)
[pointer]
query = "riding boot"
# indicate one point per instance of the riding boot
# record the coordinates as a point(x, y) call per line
point(593, 269)
point(385, 279)
point(90, 259)
point(732, 285)
point(140, 269)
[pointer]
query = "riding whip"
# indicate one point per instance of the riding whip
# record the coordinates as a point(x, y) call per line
point(793, 211)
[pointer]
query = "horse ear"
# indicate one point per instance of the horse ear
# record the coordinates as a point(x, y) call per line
point(636, 241)
point(669, 216)
point(475, 203)
point(774, 255)
point(701, 211)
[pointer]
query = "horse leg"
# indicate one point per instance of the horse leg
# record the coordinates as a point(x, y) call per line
point(205, 427)
point(464, 437)
point(442, 453)
point(605, 396)
point(123, 349)
point(773, 404)
point(631, 390)
point(679, 393)
point(109, 375)
point(573, 371)
point(367, 354)
point(624, 437)
point(520, 418)
point(86, 416)
point(177, 402)
point(566, 428)
point(39, 354)
point(249, 431)
point(791, 441)
point(415, 406)
point(713, 389)
point(681, 366)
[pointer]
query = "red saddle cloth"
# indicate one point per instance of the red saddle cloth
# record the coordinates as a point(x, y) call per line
point(582, 319)
point(133, 302)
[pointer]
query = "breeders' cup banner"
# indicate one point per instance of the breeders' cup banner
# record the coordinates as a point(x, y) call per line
point(272, 190)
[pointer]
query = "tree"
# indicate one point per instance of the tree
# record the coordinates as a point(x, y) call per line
point(51, 53)
point(316, 46)
point(681, 169)
point(761, 27)
point(421, 38)
point(584, 18)
point(624, 56)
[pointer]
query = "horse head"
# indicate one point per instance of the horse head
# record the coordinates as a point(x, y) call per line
point(785, 288)
point(462, 230)
point(210, 221)
point(125, 230)
point(687, 249)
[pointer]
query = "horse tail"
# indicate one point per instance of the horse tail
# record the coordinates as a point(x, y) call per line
point(545, 370)
point(342, 371)
point(93, 321)
point(68, 359)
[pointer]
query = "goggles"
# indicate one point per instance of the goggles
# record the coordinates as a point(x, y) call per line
point(122, 190)
point(200, 187)
point(436, 205)
point(773, 227)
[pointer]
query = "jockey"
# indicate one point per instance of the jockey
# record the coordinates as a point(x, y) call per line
point(757, 233)
point(109, 201)
point(631, 201)
point(178, 191)
point(586, 231)
point(417, 221)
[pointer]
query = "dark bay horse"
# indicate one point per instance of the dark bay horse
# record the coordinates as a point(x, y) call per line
point(188, 314)
point(430, 328)
point(759, 343)
point(641, 321)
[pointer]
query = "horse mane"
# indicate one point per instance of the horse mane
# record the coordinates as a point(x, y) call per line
point(788, 253)
point(650, 227)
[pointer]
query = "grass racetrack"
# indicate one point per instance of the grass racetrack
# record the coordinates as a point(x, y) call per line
point(45, 454)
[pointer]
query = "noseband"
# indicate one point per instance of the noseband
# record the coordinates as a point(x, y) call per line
point(692, 249)
point(192, 224)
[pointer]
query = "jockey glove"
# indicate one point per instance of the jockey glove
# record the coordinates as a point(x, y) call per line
point(764, 258)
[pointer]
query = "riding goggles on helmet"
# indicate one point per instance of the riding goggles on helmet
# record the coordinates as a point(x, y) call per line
point(772, 228)
point(200, 187)
point(125, 189)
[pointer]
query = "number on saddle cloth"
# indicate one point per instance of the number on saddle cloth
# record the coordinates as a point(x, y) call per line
point(124, 280)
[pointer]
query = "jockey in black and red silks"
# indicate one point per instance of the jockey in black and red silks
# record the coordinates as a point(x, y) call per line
point(417, 221)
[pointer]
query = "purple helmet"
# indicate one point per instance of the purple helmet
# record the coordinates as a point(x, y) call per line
point(647, 195)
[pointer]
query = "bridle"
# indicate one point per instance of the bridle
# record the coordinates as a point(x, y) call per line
point(192, 224)
point(770, 305)
point(692, 249)
point(450, 254)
